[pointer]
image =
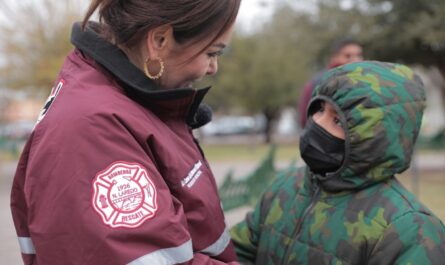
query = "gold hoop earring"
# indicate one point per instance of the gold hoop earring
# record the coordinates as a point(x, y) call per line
point(161, 68)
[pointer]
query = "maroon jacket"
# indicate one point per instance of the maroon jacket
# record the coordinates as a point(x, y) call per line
point(106, 180)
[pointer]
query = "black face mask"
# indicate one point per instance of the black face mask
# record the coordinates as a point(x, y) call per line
point(321, 151)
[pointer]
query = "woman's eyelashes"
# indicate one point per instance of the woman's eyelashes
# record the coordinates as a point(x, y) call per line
point(215, 54)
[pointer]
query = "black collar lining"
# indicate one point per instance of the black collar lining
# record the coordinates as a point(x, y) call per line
point(134, 81)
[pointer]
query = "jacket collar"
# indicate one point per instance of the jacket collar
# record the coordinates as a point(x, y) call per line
point(174, 102)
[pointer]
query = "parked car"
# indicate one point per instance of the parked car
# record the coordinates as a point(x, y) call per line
point(233, 125)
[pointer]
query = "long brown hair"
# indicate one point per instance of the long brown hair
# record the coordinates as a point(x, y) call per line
point(126, 22)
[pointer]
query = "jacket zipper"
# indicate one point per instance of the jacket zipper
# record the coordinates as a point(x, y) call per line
point(316, 194)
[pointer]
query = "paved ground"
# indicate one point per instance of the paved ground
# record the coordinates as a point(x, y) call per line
point(9, 247)
point(9, 250)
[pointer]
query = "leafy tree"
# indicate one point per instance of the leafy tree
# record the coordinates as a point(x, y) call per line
point(394, 30)
point(410, 33)
point(390, 30)
point(262, 72)
point(34, 41)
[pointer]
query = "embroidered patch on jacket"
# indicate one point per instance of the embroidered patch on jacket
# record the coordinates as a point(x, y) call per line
point(52, 96)
point(124, 195)
point(193, 175)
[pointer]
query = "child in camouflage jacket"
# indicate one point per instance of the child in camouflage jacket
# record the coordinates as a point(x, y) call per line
point(346, 206)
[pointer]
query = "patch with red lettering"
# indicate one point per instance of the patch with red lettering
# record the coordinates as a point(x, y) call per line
point(124, 195)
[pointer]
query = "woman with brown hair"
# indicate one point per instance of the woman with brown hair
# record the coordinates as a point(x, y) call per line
point(111, 173)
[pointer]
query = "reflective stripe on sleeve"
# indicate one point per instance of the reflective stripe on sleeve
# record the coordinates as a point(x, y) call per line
point(219, 246)
point(26, 245)
point(167, 256)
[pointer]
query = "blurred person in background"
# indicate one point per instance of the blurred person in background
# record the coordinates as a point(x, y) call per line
point(111, 173)
point(346, 206)
point(343, 51)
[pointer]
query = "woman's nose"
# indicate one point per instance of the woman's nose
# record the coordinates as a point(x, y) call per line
point(213, 66)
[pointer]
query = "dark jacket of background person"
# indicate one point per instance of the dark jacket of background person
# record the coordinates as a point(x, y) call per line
point(359, 214)
point(129, 184)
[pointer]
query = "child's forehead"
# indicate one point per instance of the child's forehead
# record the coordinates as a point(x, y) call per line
point(328, 107)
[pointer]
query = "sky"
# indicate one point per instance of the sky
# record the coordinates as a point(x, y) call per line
point(254, 12)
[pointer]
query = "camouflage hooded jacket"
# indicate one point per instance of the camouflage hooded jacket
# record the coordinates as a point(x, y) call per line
point(359, 214)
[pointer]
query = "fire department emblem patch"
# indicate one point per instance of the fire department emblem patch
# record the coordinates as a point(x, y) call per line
point(124, 195)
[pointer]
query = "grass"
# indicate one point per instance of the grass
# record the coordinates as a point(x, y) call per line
point(430, 190)
point(254, 152)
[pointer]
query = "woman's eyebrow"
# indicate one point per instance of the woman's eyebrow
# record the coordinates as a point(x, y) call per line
point(219, 45)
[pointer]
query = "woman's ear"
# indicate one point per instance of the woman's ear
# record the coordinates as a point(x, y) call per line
point(159, 40)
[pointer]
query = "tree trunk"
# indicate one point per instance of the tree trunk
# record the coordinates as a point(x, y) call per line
point(271, 114)
point(441, 68)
